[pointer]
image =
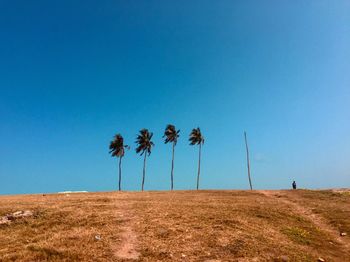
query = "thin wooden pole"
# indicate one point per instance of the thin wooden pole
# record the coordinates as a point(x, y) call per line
point(248, 163)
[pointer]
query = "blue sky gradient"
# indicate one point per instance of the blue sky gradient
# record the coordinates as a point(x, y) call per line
point(73, 73)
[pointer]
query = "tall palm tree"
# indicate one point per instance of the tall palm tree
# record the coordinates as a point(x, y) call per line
point(196, 138)
point(144, 146)
point(117, 149)
point(171, 135)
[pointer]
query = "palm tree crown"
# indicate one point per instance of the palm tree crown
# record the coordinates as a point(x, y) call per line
point(144, 142)
point(117, 147)
point(171, 134)
point(196, 137)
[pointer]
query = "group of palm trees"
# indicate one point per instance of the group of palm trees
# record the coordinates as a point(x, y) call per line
point(144, 147)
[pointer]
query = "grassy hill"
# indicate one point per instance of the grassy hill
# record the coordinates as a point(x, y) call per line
point(283, 225)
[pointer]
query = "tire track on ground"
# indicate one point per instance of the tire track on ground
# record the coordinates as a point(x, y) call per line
point(306, 212)
point(128, 249)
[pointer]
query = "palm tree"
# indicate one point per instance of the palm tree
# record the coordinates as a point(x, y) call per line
point(196, 138)
point(144, 146)
point(171, 135)
point(117, 149)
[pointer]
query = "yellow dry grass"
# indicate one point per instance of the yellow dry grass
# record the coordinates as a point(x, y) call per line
point(297, 225)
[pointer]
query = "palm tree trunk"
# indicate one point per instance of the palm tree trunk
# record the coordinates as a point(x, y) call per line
point(248, 163)
point(172, 169)
point(144, 170)
point(120, 173)
point(199, 165)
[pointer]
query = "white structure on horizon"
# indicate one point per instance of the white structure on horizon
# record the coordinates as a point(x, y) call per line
point(71, 192)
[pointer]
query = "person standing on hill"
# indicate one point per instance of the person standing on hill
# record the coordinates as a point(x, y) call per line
point(294, 185)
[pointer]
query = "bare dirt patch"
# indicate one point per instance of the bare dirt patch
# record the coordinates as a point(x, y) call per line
point(127, 249)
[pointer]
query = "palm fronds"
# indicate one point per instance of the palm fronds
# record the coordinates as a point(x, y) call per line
point(171, 134)
point(144, 142)
point(196, 137)
point(117, 147)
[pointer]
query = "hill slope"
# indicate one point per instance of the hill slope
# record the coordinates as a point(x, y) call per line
point(286, 225)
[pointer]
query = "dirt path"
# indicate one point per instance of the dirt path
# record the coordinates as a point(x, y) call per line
point(306, 212)
point(128, 248)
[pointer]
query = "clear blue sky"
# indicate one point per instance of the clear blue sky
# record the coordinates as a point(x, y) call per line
point(73, 73)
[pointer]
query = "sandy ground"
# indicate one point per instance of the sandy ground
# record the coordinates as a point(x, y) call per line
point(284, 225)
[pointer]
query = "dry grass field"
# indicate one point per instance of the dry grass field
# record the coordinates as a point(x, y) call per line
point(299, 225)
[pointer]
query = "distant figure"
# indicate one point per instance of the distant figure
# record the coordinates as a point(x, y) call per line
point(294, 185)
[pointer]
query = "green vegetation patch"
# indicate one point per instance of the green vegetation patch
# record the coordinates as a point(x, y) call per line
point(297, 235)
